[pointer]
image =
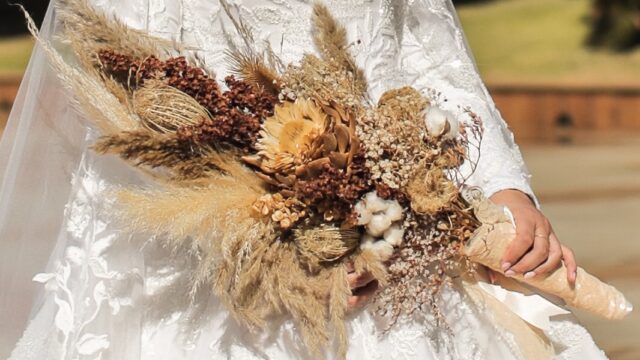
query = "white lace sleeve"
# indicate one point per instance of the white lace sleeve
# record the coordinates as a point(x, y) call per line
point(435, 55)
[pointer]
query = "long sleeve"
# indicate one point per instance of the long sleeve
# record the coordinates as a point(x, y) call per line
point(434, 55)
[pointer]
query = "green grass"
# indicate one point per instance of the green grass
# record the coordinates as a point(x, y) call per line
point(541, 41)
point(14, 55)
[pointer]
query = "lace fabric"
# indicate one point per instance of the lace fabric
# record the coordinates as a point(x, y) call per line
point(109, 296)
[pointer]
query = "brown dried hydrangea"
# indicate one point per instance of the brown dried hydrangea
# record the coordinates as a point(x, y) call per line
point(334, 191)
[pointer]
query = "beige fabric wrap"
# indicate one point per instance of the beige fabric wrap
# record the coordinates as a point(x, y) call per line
point(590, 294)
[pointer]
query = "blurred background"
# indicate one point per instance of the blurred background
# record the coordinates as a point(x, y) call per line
point(566, 76)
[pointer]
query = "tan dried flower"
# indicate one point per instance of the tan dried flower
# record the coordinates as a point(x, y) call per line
point(287, 136)
point(283, 211)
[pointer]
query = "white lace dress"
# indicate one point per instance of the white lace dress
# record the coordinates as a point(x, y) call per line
point(108, 298)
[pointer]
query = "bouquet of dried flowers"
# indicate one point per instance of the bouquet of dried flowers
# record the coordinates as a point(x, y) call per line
point(282, 174)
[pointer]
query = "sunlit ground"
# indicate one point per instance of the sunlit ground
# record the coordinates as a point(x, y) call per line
point(591, 193)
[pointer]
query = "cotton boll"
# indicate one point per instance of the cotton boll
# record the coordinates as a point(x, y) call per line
point(364, 215)
point(375, 203)
point(378, 225)
point(454, 128)
point(394, 212)
point(366, 239)
point(441, 123)
point(394, 235)
point(383, 249)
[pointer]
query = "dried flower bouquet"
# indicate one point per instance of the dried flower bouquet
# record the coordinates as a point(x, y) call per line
point(282, 175)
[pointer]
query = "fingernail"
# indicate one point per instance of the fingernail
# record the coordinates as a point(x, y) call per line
point(574, 276)
point(505, 266)
point(510, 273)
point(529, 275)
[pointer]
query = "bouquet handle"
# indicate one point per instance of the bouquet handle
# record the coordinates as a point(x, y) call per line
point(490, 241)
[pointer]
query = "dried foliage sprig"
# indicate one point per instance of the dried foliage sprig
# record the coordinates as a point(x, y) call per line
point(330, 37)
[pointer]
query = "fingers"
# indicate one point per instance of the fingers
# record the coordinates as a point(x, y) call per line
point(359, 280)
point(525, 226)
point(554, 260)
point(570, 263)
point(362, 295)
point(493, 276)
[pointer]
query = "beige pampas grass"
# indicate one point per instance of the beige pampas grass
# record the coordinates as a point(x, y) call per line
point(165, 109)
point(89, 95)
point(330, 38)
point(89, 31)
point(198, 213)
point(368, 260)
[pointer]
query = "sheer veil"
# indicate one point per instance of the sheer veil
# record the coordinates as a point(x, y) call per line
point(44, 157)
point(41, 148)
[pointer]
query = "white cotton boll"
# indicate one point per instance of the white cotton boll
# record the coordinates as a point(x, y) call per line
point(441, 123)
point(394, 235)
point(366, 242)
point(383, 249)
point(378, 225)
point(375, 203)
point(364, 215)
point(394, 212)
point(454, 128)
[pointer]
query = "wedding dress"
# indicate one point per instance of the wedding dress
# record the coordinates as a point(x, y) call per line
point(99, 293)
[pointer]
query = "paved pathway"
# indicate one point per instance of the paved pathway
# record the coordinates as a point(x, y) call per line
point(591, 193)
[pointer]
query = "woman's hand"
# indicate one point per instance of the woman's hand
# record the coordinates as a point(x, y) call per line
point(363, 287)
point(536, 249)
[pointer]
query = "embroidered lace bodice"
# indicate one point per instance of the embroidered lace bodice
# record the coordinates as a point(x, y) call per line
point(108, 299)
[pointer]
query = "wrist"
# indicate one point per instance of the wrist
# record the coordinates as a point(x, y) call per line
point(512, 197)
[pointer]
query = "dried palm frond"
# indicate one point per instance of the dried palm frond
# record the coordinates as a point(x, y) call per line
point(330, 38)
point(88, 94)
point(165, 109)
point(89, 31)
point(254, 69)
point(325, 244)
point(146, 148)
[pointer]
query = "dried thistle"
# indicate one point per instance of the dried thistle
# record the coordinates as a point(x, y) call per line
point(324, 244)
point(166, 109)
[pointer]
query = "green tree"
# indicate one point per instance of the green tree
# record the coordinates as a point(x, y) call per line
point(615, 24)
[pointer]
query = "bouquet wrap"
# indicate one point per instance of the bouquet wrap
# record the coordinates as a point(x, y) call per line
point(488, 245)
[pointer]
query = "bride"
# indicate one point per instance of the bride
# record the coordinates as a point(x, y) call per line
point(98, 294)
